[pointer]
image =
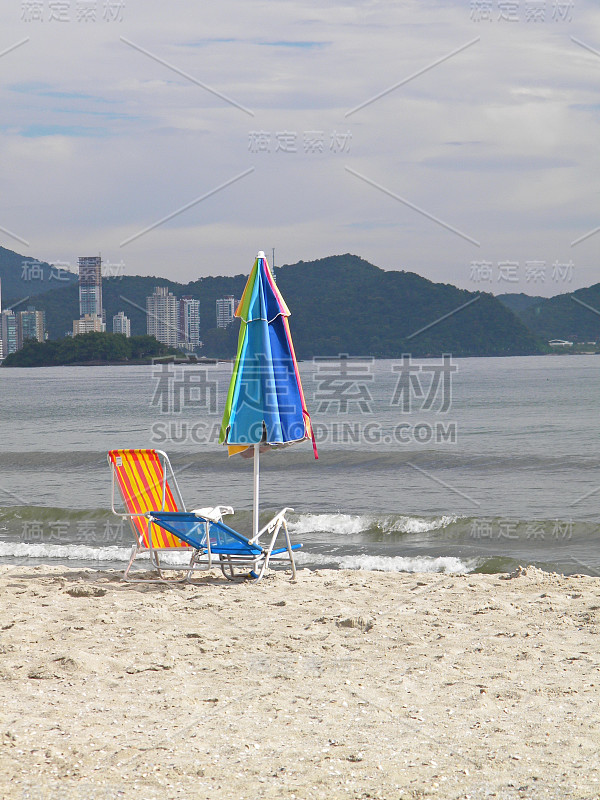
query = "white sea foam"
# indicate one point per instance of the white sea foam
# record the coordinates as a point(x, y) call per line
point(348, 524)
point(406, 564)
point(414, 524)
point(66, 552)
point(448, 564)
point(330, 523)
point(80, 552)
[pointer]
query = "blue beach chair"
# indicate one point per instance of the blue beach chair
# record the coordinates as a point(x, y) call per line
point(215, 541)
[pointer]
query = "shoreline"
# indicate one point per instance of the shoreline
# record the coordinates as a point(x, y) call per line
point(342, 684)
point(179, 362)
point(207, 361)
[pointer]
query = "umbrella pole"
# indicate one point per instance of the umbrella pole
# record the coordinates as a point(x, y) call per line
point(256, 489)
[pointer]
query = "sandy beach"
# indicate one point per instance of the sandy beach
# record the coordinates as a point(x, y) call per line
point(344, 684)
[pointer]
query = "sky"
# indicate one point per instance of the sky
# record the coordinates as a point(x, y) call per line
point(458, 140)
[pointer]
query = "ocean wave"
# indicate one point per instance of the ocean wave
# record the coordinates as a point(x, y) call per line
point(352, 524)
point(70, 552)
point(330, 523)
point(199, 459)
point(445, 564)
point(56, 552)
point(81, 552)
point(415, 524)
point(52, 514)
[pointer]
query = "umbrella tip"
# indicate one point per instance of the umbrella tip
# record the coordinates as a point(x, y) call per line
point(261, 254)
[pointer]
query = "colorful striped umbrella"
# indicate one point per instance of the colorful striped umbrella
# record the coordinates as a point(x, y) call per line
point(265, 404)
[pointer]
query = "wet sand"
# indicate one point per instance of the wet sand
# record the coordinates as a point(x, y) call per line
point(344, 684)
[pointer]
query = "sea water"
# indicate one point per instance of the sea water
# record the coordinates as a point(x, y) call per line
point(460, 465)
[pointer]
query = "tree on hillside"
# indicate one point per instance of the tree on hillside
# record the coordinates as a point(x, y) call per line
point(93, 346)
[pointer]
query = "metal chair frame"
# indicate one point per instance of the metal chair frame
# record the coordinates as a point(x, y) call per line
point(252, 554)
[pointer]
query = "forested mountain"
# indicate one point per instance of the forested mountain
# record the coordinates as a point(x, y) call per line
point(339, 304)
point(25, 276)
point(518, 301)
point(344, 304)
point(574, 316)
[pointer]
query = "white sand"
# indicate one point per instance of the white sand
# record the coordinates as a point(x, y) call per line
point(464, 687)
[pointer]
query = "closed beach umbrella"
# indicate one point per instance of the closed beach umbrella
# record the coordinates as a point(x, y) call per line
point(265, 404)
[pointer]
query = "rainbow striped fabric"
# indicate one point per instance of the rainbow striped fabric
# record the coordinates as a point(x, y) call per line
point(265, 403)
point(140, 477)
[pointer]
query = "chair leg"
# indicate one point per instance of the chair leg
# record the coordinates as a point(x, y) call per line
point(227, 567)
point(161, 575)
point(229, 570)
point(134, 552)
point(258, 576)
point(154, 562)
point(290, 551)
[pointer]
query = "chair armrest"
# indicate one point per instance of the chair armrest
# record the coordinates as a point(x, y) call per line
point(213, 513)
point(271, 524)
point(130, 515)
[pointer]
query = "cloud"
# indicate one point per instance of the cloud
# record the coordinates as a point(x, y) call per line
point(78, 131)
point(300, 44)
point(99, 141)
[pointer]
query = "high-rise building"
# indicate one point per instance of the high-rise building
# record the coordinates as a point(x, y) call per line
point(30, 325)
point(189, 323)
point(9, 332)
point(225, 311)
point(162, 317)
point(90, 286)
point(87, 324)
point(121, 324)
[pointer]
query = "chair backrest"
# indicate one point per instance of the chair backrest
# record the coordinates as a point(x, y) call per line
point(142, 480)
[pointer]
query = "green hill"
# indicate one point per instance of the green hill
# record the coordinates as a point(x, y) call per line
point(518, 301)
point(24, 276)
point(344, 304)
point(574, 316)
point(339, 304)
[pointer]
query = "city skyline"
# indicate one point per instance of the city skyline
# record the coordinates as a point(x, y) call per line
point(17, 326)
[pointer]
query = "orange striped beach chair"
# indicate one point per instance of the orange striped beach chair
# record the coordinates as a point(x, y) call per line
point(147, 483)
